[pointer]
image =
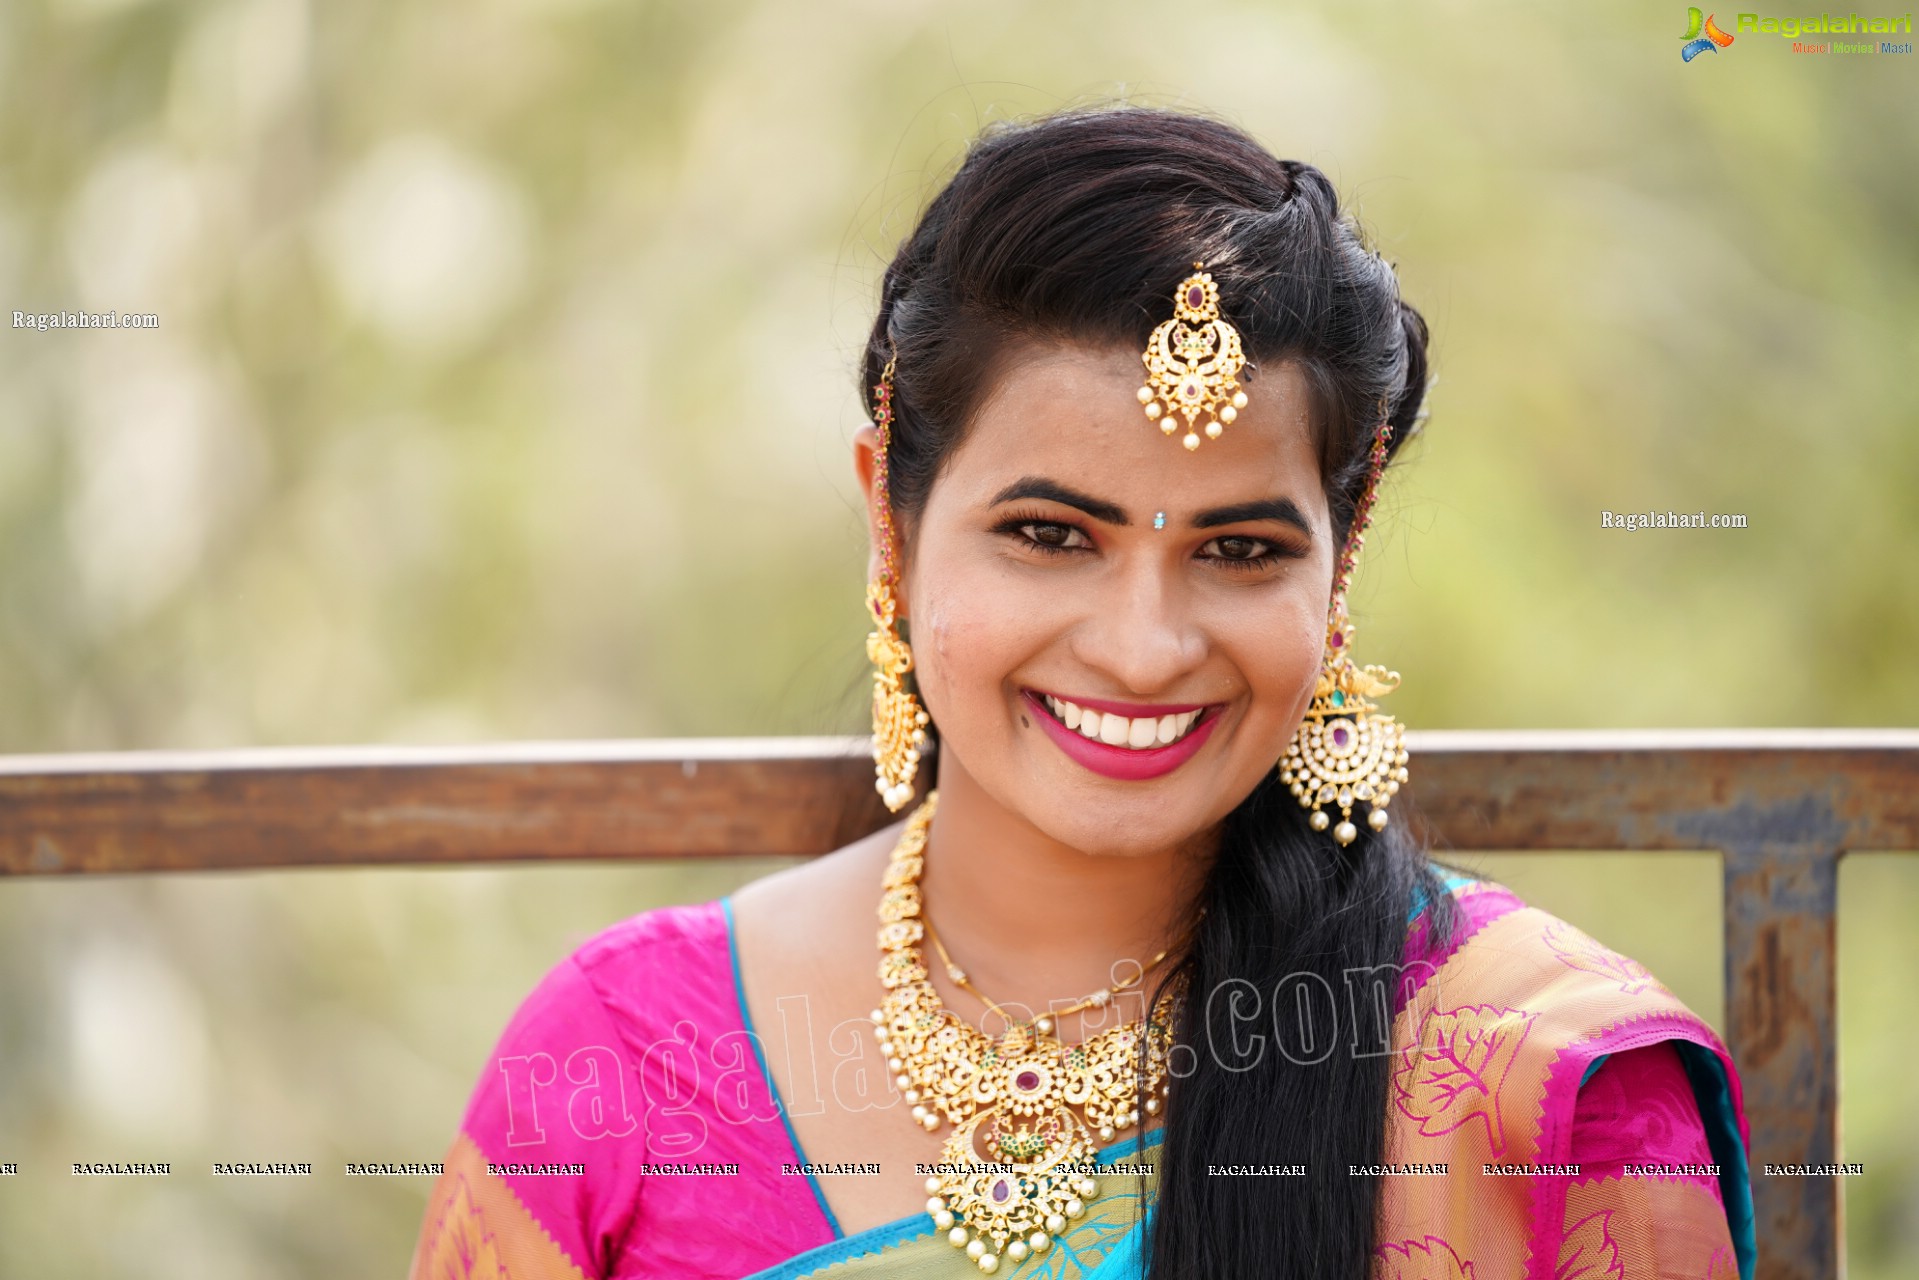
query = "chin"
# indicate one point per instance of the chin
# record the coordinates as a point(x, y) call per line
point(1142, 824)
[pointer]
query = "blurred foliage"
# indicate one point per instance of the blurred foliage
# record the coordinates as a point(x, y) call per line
point(503, 389)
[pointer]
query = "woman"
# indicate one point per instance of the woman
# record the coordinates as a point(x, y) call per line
point(1198, 1004)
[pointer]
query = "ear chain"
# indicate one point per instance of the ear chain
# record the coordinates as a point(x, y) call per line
point(898, 719)
point(1345, 752)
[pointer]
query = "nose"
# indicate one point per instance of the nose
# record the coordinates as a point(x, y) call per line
point(1140, 631)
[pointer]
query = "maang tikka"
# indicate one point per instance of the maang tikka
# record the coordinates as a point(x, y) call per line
point(898, 719)
point(1192, 364)
point(1345, 752)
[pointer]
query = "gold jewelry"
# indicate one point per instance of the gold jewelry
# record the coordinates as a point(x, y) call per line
point(898, 719)
point(1193, 362)
point(1098, 1000)
point(1033, 1102)
point(1344, 752)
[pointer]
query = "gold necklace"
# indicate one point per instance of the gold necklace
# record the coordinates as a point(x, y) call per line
point(1024, 1108)
point(1098, 1000)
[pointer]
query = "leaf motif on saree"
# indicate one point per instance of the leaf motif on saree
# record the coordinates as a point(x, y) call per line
point(461, 1247)
point(1577, 950)
point(1428, 1259)
point(1589, 1251)
point(1453, 1075)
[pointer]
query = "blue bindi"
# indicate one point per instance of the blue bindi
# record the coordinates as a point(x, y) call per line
point(1159, 519)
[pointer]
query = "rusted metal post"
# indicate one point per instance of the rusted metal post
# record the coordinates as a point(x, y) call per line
point(1782, 1027)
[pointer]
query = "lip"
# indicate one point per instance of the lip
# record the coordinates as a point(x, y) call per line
point(1123, 763)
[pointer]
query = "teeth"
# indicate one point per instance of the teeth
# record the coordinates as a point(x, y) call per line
point(1119, 731)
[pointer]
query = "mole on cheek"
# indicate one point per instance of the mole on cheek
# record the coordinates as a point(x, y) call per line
point(1024, 723)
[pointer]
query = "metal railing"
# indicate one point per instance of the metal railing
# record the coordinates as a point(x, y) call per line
point(1780, 807)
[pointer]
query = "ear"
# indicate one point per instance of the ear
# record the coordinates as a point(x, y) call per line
point(866, 452)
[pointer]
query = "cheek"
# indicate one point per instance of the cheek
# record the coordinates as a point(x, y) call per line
point(1289, 662)
point(962, 646)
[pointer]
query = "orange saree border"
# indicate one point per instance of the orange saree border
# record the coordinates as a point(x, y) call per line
point(475, 1228)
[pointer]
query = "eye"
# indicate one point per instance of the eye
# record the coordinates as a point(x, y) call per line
point(1238, 548)
point(1044, 535)
point(1245, 554)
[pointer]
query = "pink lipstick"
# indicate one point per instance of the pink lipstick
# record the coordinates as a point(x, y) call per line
point(1124, 763)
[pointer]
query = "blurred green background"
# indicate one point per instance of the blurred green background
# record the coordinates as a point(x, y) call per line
point(504, 387)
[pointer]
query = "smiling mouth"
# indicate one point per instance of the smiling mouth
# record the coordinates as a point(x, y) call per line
point(1143, 733)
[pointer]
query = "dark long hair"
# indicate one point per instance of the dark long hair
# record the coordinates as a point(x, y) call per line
point(1076, 228)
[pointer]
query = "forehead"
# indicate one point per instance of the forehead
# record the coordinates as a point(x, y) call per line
point(1072, 414)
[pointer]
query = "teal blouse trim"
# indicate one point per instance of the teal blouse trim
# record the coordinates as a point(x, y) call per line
point(1712, 1090)
point(1451, 881)
point(759, 1056)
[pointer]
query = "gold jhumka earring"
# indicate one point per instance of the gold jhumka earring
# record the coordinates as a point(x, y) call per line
point(1344, 751)
point(898, 719)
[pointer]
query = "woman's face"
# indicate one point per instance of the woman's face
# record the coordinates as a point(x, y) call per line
point(1036, 577)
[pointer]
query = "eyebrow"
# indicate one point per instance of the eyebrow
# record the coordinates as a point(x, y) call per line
point(1284, 510)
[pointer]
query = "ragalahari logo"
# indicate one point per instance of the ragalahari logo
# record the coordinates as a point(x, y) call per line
point(1712, 41)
